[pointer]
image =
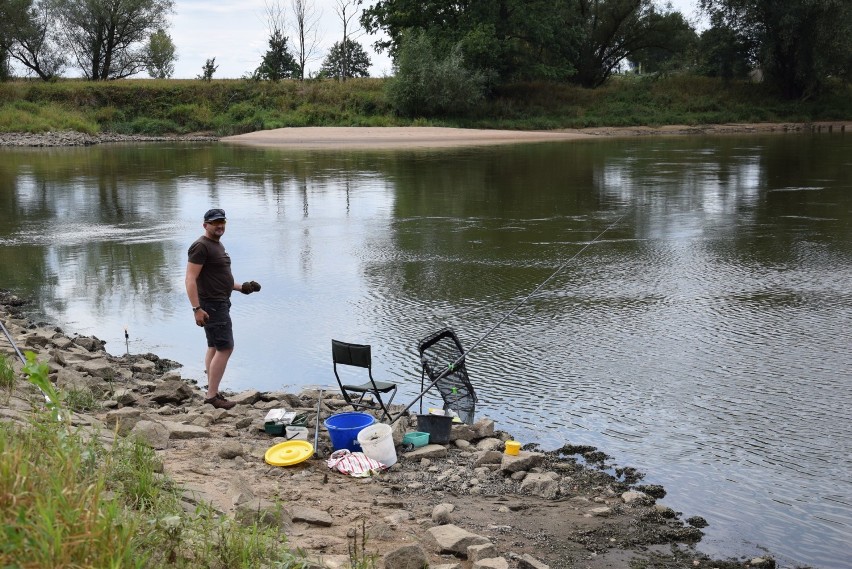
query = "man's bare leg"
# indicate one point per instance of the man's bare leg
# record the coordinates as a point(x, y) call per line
point(215, 361)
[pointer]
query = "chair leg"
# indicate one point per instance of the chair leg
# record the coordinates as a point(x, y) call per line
point(385, 411)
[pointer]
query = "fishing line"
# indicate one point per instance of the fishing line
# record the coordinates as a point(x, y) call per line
point(539, 287)
point(506, 316)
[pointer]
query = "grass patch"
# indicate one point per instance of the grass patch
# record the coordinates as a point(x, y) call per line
point(27, 116)
point(8, 378)
point(58, 512)
point(70, 502)
point(81, 400)
point(66, 500)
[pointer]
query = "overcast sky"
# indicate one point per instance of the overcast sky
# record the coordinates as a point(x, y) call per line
point(236, 34)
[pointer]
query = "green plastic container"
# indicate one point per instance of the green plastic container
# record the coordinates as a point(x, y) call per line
point(416, 439)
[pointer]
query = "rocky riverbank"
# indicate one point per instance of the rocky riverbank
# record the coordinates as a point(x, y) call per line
point(463, 505)
point(72, 138)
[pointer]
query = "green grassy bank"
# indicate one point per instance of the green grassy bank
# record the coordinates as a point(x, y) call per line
point(71, 502)
point(69, 497)
point(224, 107)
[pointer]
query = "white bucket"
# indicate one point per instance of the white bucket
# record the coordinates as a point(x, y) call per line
point(377, 443)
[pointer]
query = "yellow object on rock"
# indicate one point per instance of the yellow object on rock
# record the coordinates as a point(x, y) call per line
point(512, 447)
point(289, 453)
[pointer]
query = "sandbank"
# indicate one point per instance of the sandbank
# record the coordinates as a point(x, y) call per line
point(393, 137)
point(387, 138)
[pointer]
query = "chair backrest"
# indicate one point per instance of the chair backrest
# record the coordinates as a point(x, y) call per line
point(348, 354)
point(437, 352)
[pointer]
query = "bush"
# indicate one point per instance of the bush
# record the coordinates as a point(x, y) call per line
point(152, 127)
point(425, 85)
point(191, 116)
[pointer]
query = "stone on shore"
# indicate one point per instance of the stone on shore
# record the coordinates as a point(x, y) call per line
point(524, 460)
point(442, 514)
point(491, 563)
point(407, 557)
point(179, 431)
point(311, 516)
point(450, 538)
point(172, 391)
point(481, 551)
point(540, 484)
point(527, 561)
point(156, 435)
point(428, 451)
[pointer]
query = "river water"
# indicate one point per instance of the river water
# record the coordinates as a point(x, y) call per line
point(694, 324)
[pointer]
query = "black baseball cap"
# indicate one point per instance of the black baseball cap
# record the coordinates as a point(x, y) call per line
point(214, 215)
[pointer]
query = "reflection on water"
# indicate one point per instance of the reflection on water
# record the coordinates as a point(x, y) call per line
point(701, 339)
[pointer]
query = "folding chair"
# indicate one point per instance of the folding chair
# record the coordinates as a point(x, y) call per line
point(358, 355)
point(442, 358)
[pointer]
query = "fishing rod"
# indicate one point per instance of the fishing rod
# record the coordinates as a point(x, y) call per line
point(506, 316)
point(12, 341)
point(20, 355)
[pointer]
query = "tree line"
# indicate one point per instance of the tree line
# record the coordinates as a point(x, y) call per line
point(798, 45)
point(114, 39)
point(449, 55)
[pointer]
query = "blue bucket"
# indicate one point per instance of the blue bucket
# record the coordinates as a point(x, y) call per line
point(343, 429)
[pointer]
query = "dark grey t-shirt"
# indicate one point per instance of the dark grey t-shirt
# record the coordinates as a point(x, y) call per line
point(215, 281)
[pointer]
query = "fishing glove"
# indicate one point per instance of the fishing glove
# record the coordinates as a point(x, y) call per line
point(249, 287)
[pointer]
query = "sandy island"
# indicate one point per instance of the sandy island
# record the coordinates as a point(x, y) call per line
point(392, 137)
point(439, 137)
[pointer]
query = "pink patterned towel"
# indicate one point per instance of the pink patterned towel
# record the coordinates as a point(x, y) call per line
point(355, 464)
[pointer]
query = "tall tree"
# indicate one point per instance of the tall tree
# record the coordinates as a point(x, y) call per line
point(356, 63)
point(347, 12)
point(798, 44)
point(29, 35)
point(721, 53)
point(278, 62)
point(160, 55)
point(615, 30)
point(5, 66)
point(581, 40)
point(305, 28)
point(107, 37)
point(675, 50)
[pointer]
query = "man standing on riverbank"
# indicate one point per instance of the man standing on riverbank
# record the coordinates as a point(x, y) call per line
point(209, 283)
